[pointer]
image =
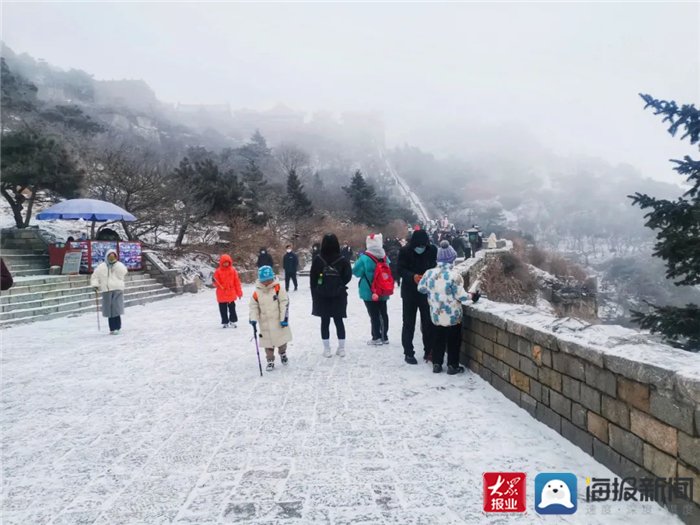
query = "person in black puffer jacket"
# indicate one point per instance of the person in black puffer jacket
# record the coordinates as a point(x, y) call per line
point(264, 259)
point(330, 307)
point(414, 259)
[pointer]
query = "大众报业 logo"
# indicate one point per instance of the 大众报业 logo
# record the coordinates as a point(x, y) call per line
point(504, 492)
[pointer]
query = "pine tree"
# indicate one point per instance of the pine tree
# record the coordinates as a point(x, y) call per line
point(678, 232)
point(298, 204)
point(202, 190)
point(367, 206)
point(256, 150)
point(31, 163)
point(256, 186)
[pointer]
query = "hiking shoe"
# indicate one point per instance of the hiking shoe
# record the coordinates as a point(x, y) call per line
point(374, 342)
point(224, 325)
point(284, 359)
point(410, 359)
point(340, 352)
point(385, 341)
point(234, 325)
point(437, 368)
point(327, 352)
point(270, 366)
point(452, 370)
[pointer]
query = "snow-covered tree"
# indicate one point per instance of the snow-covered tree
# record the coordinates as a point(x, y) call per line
point(677, 223)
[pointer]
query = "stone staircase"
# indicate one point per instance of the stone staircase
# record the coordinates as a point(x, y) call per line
point(25, 252)
point(37, 296)
point(47, 297)
point(24, 264)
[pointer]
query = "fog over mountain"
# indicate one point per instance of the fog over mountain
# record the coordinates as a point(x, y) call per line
point(469, 80)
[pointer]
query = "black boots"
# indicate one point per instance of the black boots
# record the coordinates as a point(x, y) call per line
point(410, 359)
point(452, 370)
point(437, 368)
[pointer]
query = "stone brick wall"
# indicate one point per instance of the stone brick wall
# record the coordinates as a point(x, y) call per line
point(632, 404)
point(159, 271)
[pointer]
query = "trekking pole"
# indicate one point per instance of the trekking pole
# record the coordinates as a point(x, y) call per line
point(97, 309)
point(257, 348)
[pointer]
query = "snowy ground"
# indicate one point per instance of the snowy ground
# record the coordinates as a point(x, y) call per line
point(170, 421)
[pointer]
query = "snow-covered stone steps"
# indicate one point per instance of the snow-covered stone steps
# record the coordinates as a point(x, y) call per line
point(27, 271)
point(78, 294)
point(31, 290)
point(47, 297)
point(74, 308)
point(23, 264)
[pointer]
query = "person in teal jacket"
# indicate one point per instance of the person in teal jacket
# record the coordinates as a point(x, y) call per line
point(364, 269)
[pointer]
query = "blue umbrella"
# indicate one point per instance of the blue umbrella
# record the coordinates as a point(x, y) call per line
point(87, 209)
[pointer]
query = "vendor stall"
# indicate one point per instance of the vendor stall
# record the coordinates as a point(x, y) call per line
point(92, 251)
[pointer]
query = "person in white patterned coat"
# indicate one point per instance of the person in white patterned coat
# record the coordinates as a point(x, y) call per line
point(446, 294)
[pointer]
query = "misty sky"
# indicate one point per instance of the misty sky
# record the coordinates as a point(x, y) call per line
point(451, 78)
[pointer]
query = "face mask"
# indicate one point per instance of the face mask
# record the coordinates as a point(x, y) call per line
point(289, 251)
point(419, 249)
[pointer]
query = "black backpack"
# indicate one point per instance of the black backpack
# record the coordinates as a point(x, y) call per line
point(330, 283)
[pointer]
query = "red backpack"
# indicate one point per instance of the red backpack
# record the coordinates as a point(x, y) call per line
point(382, 283)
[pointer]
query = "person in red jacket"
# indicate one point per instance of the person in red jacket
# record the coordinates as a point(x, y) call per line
point(228, 290)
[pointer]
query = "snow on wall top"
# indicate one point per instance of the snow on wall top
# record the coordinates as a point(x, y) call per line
point(621, 350)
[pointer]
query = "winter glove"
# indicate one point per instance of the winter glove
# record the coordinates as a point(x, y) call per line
point(284, 323)
point(475, 296)
point(417, 278)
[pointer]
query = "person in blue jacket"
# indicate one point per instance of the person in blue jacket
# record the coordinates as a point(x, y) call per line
point(364, 269)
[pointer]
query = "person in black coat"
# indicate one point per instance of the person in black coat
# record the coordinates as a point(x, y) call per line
point(290, 263)
point(457, 245)
point(6, 276)
point(328, 308)
point(414, 259)
point(392, 251)
point(264, 259)
point(347, 252)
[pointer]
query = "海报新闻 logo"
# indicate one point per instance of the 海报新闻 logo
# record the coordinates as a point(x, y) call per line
point(555, 493)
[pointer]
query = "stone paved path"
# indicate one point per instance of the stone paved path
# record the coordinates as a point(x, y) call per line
point(170, 422)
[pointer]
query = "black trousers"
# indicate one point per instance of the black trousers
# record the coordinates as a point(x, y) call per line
point(411, 305)
point(228, 312)
point(326, 327)
point(287, 277)
point(449, 337)
point(379, 318)
point(115, 323)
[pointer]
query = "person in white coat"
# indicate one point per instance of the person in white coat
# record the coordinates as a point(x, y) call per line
point(108, 278)
point(446, 294)
point(269, 314)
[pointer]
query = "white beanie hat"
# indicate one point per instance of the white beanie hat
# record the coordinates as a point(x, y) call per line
point(375, 245)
